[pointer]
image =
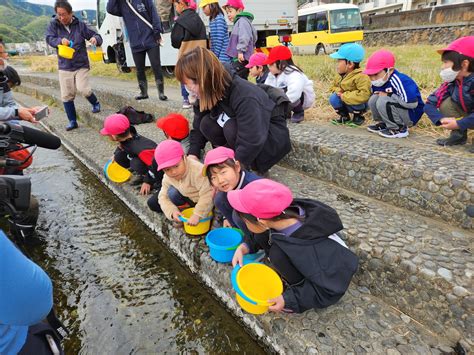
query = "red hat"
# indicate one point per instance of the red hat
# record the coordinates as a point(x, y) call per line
point(278, 53)
point(261, 198)
point(174, 125)
point(236, 4)
point(217, 156)
point(463, 45)
point(168, 153)
point(378, 61)
point(115, 124)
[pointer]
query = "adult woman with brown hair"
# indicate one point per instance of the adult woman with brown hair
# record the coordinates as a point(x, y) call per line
point(233, 112)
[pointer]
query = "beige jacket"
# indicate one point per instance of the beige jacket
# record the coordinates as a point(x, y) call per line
point(193, 185)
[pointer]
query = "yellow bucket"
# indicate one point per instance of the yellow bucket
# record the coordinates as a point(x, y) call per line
point(66, 51)
point(259, 283)
point(201, 228)
point(249, 307)
point(117, 173)
point(96, 56)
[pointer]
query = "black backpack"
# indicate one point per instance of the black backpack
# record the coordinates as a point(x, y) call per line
point(134, 116)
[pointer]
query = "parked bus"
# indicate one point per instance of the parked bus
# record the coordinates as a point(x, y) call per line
point(324, 28)
point(272, 17)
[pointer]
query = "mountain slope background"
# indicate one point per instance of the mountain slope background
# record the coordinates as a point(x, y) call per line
point(21, 21)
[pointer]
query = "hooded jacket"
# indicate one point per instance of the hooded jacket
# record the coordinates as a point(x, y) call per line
point(142, 37)
point(354, 85)
point(188, 32)
point(78, 33)
point(138, 147)
point(326, 266)
point(243, 36)
point(262, 138)
point(7, 103)
point(461, 93)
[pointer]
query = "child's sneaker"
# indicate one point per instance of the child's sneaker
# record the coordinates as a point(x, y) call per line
point(297, 117)
point(186, 104)
point(96, 107)
point(342, 120)
point(358, 119)
point(394, 133)
point(376, 128)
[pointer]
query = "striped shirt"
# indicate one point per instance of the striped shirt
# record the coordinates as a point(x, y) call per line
point(219, 35)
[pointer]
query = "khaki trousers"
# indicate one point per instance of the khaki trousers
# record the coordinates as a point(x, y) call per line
point(72, 81)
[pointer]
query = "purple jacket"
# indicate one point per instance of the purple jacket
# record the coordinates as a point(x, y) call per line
point(243, 36)
point(79, 33)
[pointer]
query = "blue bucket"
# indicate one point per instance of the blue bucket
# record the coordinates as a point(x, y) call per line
point(222, 243)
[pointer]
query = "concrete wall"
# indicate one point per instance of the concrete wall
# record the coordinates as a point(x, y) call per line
point(433, 15)
point(434, 34)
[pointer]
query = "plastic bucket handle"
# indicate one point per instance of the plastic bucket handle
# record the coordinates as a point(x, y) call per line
point(185, 220)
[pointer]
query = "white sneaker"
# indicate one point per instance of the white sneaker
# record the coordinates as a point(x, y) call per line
point(394, 133)
point(186, 104)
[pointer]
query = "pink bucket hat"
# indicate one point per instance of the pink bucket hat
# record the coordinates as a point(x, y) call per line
point(463, 45)
point(378, 61)
point(115, 124)
point(217, 156)
point(256, 59)
point(262, 198)
point(168, 153)
point(237, 4)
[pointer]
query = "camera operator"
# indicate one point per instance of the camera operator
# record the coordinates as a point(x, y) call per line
point(26, 302)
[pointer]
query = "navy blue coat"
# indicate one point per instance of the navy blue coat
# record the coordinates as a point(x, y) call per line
point(326, 266)
point(79, 33)
point(141, 36)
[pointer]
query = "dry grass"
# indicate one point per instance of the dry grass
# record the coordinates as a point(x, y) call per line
point(421, 62)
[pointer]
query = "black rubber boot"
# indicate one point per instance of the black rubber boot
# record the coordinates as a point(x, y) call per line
point(358, 117)
point(457, 137)
point(161, 90)
point(70, 109)
point(143, 86)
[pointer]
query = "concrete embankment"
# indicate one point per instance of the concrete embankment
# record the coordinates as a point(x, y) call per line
point(413, 292)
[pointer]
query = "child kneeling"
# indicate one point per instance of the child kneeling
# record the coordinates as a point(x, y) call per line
point(452, 104)
point(183, 183)
point(299, 237)
point(396, 102)
point(351, 88)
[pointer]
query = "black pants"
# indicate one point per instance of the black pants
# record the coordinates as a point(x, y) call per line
point(240, 69)
point(217, 135)
point(122, 158)
point(155, 61)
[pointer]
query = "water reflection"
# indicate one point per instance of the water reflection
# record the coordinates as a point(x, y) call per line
point(116, 288)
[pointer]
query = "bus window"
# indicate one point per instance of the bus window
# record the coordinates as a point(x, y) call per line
point(311, 25)
point(345, 19)
point(321, 21)
point(302, 21)
point(101, 12)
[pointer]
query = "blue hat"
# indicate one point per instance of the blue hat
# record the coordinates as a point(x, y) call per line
point(352, 52)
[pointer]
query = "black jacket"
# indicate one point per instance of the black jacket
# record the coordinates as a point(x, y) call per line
point(188, 27)
point(263, 138)
point(327, 267)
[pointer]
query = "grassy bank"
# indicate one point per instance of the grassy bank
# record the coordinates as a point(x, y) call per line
point(421, 62)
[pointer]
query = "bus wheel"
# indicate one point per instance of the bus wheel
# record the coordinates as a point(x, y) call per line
point(123, 68)
point(168, 71)
point(320, 50)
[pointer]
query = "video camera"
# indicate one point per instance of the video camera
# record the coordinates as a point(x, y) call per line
point(15, 190)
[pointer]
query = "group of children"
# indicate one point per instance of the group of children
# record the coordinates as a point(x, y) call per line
point(300, 237)
point(297, 235)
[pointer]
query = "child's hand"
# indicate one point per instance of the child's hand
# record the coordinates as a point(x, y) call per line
point(241, 57)
point(193, 220)
point(175, 215)
point(449, 123)
point(279, 304)
point(239, 255)
point(226, 224)
point(145, 189)
point(65, 42)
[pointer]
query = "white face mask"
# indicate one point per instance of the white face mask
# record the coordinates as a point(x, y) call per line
point(192, 91)
point(380, 82)
point(448, 74)
point(3, 65)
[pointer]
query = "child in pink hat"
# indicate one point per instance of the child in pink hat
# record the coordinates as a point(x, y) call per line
point(226, 174)
point(451, 106)
point(300, 237)
point(133, 152)
point(182, 184)
point(257, 69)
